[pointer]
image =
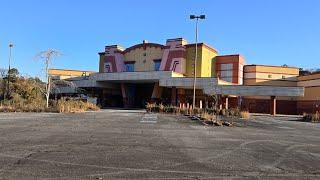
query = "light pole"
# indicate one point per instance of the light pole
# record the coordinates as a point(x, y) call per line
point(10, 56)
point(195, 58)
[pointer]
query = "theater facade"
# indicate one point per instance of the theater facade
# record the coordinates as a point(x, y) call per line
point(163, 73)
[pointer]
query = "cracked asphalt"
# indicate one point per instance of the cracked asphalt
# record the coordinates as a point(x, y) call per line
point(119, 144)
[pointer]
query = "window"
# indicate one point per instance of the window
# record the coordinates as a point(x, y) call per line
point(226, 73)
point(283, 77)
point(226, 67)
point(228, 79)
point(129, 67)
point(107, 67)
point(157, 64)
point(175, 64)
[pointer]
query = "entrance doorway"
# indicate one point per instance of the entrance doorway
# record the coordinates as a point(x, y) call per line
point(139, 94)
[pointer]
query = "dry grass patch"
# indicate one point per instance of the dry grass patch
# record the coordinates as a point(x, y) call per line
point(315, 118)
point(245, 114)
point(66, 106)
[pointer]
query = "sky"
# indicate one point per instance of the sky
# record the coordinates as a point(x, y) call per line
point(271, 32)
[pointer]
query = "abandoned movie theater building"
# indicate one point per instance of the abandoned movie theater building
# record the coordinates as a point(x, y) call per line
point(163, 73)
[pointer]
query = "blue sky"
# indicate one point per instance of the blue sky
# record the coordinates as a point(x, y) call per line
point(274, 32)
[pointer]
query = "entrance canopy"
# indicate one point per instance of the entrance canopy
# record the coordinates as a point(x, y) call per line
point(240, 90)
point(172, 79)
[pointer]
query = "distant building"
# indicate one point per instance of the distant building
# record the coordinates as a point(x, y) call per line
point(151, 72)
point(310, 102)
point(61, 74)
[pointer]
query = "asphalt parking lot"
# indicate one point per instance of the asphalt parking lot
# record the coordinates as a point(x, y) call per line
point(115, 144)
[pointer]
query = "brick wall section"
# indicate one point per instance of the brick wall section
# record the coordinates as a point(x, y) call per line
point(235, 60)
point(310, 106)
point(263, 106)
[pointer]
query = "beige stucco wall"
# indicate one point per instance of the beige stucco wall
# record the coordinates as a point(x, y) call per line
point(308, 83)
point(270, 75)
point(272, 69)
point(143, 63)
point(311, 93)
point(309, 77)
point(259, 75)
point(269, 82)
point(312, 86)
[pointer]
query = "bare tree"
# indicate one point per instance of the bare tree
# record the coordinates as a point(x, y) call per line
point(3, 73)
point(47, 57)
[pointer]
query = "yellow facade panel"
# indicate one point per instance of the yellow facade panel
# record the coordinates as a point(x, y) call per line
point(143, 58)
point(207, 61)
point(190, 61)
point(204, 61)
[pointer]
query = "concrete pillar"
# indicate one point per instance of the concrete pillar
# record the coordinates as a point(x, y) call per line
point(220, 102)
point(273, 105)
point(181, 97)
point(239, 102)
point(124, 95)
point(157, 91)
point(227, 102)
point(206, 103)
point(174, 96)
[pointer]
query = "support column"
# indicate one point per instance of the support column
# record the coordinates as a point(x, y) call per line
point(227, 102)
point(220, 102)
point(239, 102)
point(124, 95)
point(156, 93)
point(181, 96)
point(174, 96)
point(273, 105)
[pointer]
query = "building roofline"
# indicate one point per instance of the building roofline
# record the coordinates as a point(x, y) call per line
point(71, 70)
point(144, 45)
point(202, 44)
point(291, 67)
point(176, 39)
point(115, 46)
point(228, 55)
point(314, 73)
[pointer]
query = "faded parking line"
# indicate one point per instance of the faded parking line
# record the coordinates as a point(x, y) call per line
point(149, 118)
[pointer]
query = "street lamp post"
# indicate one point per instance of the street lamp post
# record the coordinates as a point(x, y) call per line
point(10, 56)
point(195, 58)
